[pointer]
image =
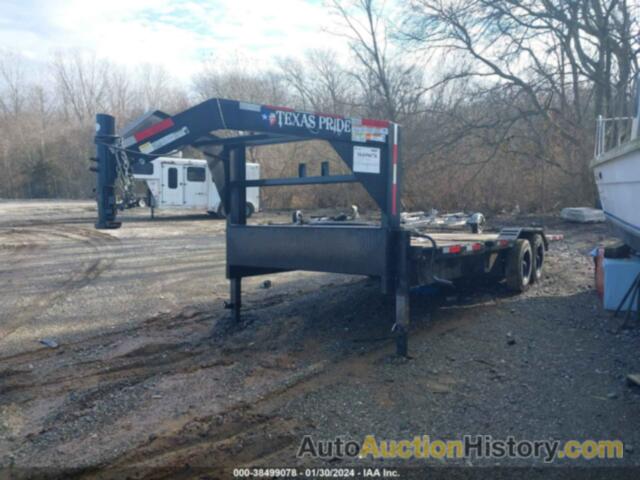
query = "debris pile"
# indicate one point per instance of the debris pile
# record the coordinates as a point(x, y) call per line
point(434, 219)
point(582, 215)
point(298, 218)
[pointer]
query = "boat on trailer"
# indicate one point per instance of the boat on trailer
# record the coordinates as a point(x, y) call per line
point(616, 166)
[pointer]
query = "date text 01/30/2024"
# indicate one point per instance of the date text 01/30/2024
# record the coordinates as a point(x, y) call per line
point(362, 472)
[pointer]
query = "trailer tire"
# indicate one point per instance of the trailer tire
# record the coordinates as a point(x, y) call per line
point(537, 247)
point(519, 266)
point(250, 210)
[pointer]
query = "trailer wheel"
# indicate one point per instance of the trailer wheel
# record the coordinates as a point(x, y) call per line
point(519, 266)
point(537, 245)
point(250, 209)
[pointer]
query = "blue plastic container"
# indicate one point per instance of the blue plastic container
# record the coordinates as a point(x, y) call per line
point(619, 274)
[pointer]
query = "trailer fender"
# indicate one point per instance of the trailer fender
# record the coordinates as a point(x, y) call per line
point(512, 234)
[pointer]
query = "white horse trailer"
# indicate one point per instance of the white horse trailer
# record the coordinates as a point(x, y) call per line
point(187, 183)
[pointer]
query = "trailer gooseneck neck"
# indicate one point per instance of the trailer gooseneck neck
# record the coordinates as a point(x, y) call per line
point(369, 148)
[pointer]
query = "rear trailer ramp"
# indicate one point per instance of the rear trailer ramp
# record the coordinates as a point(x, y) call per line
point(370, 149)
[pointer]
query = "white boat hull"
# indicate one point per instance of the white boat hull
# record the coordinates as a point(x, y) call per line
point(617, 175)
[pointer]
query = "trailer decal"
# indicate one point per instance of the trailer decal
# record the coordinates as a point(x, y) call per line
point(153, 129)
point(150, 147)
point(370, 122)
point(368, 130)
point(314, 123)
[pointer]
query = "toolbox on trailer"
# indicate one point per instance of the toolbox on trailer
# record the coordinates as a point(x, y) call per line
point(400, 256)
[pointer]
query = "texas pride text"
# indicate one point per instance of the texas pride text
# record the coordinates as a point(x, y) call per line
point(310, 121)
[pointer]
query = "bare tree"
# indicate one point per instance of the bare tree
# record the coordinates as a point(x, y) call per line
point(12, 102)
point(12, 78)
point(82, 83)
point(538, 47)
point(237, 81)
point(392, 88)
point(320, 82)
point(560, 63)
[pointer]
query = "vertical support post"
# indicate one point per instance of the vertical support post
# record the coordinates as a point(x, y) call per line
point(391, 214)
point(105, 190)
point(402, 293)
point(238, 190)
point(394, 206)
point(237, 216)
point(400, 244)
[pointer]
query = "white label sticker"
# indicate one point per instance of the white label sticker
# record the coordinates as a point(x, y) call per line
point(366, 159)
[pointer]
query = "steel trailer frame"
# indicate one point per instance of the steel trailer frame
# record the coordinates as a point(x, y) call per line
point(371, 149)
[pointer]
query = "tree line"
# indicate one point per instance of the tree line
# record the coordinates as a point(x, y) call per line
point(497, 99)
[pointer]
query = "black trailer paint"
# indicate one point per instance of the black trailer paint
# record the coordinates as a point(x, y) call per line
point(371, 150)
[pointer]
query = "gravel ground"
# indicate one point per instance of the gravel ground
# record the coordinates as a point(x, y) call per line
point(150, 377)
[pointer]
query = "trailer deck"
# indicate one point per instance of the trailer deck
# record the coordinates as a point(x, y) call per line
point(370, 148)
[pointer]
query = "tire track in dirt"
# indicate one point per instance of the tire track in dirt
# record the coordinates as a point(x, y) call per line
point(32, 239)
point(212, 446)
point(235, 437)
point(134, 365)
point(16, 245)
point(236, 433)
point(91, 381)
point(97, 383)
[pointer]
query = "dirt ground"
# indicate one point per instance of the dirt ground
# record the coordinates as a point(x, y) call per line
point(146, 374)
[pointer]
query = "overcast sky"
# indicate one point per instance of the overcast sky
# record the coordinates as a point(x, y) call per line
point(177, 34)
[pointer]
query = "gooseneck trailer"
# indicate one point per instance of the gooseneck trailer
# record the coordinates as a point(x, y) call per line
point(371, 149)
